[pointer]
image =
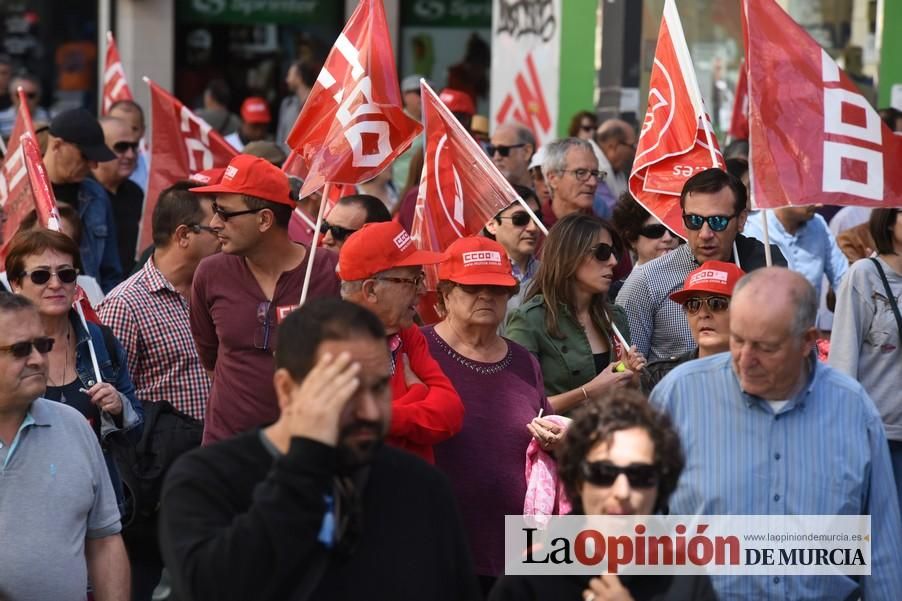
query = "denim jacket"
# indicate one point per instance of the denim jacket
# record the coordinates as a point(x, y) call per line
point(99, 252)
point(129, 433)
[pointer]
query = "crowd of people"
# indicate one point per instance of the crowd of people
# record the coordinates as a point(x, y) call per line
point(350, 447)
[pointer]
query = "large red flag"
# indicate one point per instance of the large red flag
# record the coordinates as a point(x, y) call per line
point(813, 137)
point(352, 125)
point(676, 140)
point(460, 189)
point(115, 86)
point(181, 145)
point(16, 196)
point(739, 121)
point(44, 200)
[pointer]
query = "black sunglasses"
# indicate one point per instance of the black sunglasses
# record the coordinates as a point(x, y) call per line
point(654, 231)
point(717, 223)
point(123, 147)
point(605, 473)
point(504, 151)
point(338, 233)
point(520, 218)
point(602, 252)
point(20, 350)
point(716, 304)
point(226, 215)
point(587, 127)
point(42, 276)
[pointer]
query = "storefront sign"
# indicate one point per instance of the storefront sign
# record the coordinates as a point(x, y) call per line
point(325, 12)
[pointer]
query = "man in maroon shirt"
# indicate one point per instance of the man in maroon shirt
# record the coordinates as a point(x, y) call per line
point(381, 270)
point(240, 295)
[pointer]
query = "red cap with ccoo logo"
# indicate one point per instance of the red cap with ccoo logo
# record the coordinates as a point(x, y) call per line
point(252, 176)
point(255, 110)
point(476, 260)
point(714, 277)
point(379, 247)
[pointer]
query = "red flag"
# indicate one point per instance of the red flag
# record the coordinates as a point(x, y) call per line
point(115, 86)
point(739, 122)
point(460, 190)
point(16, 197)
point(813, 137)
point(44, 201)
point(181, 144)
point(352, 125)
point(676, 140)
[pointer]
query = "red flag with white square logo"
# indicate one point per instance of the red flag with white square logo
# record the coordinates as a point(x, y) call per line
point(16, 196)
point(352, 125)
point(813, 137)
point(115, 85)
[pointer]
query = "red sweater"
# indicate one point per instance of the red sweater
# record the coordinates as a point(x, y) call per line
point(424, 414)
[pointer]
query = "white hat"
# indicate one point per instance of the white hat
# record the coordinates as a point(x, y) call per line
point(537, 158)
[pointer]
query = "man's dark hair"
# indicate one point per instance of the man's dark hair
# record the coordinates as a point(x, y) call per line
point(881, 225)
point(219, 90)
point(176, 206)
point(302, 332)
point(712, 181)
point(615, 132)
point(308, 71)
point(737, 167)
point(281, 213)
point(376, 211)
point(737, 149)
point(128, 105)
point(14, 302)
point(66, 212)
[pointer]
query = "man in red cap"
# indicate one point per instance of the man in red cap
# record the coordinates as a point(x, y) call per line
point(255, 120)
point(240, 295)
point(461, 104)
point(705, 299)
point(381, 269)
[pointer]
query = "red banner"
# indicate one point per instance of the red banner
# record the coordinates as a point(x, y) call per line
point(16, 196)
point(676, 140)
point(460, 190)
point(181, 144)
point(115, 86)
point(813, 137)
point(352, 125)
point(44, 201)
point(739, 122)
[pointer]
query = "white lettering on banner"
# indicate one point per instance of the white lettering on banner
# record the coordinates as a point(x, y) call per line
point(482, 257)
point(362, 97)
point(14, 171)
point(193, 144)
point(113, 72)
point(836, 152)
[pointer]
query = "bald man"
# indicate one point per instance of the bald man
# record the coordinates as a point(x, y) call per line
point(615, 148)
point(769, 430)
point(126, 196)
point(511, 147)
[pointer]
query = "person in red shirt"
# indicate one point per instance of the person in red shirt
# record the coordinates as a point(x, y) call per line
point(380, 269)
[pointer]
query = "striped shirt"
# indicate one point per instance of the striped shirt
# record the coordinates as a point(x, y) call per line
point(150, 319)
point(823, 453)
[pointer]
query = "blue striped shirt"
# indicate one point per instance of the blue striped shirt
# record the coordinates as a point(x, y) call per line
point(824, 453)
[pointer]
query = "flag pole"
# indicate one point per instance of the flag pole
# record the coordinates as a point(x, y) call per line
point(84, 323)
point(313, 243)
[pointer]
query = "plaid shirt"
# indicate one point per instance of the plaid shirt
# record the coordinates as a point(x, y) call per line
point(150, 319)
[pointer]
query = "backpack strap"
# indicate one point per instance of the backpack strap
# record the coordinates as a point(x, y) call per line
point(109, 341)
point(889, 296)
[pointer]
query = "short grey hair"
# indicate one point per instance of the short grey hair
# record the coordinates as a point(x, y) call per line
point(803, 297)
point(556, 154)
point(524, 135)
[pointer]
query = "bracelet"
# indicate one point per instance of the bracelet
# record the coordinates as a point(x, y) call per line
point(585, 394)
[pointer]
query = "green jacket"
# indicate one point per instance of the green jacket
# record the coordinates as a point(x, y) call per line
point(566, 362)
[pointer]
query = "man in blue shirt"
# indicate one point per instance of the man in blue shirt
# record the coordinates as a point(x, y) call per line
point(768, 430)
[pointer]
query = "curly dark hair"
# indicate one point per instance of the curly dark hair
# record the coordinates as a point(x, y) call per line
point(629, 217)
point(596, 421)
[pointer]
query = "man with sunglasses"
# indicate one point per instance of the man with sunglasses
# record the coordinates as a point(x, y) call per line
point(705, 299)
point(126, 196)
point(381, 269)
point(511, 147)
point(240, 296)
point(714, 212)
point(31, 86)
point(58, 512)
point(76, 145)
point(348, 215)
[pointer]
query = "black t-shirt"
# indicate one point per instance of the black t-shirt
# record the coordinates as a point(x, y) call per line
point(67, 193)
point(70, 394)
point(128, 204)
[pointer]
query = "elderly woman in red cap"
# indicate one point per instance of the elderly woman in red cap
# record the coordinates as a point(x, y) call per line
point(500, 384)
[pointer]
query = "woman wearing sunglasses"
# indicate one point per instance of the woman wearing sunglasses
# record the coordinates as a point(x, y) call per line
point(705, 298)
point(567, 321)
point(42, 265)
point(646, 237)
point(620, 457)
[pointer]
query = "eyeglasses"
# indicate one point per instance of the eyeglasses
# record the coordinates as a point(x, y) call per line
point(416, 282)
point(583, 175)
point(475, 289)
point(40, 277)
point(198, 228)
point(605, 473)
point(602, 252)
point(123, 147)
point(338, 233)
point(261, 332)
point(21, 350)
point(504, 151)
point(520, 218)
point(716, 304)
point(226, 215)
point(717, 223)
point(654, 231)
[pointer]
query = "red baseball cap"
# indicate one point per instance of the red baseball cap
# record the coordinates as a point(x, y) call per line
point(714, 277)
point(253, 176)
point(255, 110)
point(379, 247)
point(208, 177)
point(476, 260)
point(458, 101)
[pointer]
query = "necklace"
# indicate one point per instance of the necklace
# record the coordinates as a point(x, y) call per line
point(484, 369)
point(66, 361)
